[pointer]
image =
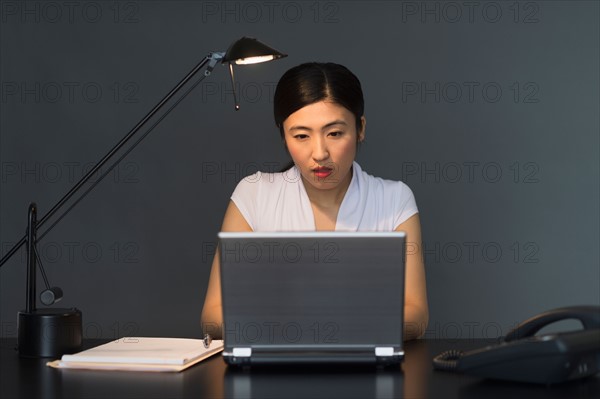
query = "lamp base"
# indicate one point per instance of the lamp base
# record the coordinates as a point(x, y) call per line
point(49, 332)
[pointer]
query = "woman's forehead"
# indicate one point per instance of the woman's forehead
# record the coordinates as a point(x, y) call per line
point(318, 115)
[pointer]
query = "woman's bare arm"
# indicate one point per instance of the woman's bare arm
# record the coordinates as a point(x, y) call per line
point(416, 309)
point(212, 313)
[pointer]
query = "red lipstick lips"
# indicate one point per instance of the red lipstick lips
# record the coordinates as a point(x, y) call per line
point(322, 172)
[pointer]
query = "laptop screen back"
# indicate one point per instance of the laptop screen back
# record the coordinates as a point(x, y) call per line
point(312, 290)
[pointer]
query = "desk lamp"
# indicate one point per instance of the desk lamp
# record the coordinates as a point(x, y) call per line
point(51, 332)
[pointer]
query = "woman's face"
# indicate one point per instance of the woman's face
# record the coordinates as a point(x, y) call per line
point(321, 138)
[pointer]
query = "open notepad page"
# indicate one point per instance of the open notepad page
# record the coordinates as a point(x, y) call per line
point(142, 353)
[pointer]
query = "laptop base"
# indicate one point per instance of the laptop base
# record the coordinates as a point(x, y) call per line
point(377, 357)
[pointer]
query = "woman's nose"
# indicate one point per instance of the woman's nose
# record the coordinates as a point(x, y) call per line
point(320, 151)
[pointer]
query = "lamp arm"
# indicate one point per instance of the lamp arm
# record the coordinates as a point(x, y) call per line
point(107, 171)
point(31, 272)
point(211, 59)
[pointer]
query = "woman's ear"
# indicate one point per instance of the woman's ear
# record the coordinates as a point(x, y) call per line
point(361, 134)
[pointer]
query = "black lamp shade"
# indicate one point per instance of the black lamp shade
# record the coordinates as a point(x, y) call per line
point(248, 50)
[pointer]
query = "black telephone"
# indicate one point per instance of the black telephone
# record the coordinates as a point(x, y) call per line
point(524, 356)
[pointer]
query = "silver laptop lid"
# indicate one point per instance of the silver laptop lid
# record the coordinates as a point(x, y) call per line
point(315, 291)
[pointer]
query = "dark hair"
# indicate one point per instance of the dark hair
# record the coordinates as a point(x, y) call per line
point(312, 82)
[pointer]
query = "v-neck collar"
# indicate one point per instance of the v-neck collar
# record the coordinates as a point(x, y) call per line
point(349, 203)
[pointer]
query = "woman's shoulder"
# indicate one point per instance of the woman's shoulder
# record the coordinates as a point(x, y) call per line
point(383, 185)
point(265, 198)
point(382, 204)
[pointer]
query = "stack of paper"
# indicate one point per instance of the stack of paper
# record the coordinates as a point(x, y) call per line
point(141, 354)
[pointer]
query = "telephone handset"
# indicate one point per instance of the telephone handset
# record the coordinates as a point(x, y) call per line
point(523, 356)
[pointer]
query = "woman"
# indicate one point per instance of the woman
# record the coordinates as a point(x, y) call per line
point(319, 110)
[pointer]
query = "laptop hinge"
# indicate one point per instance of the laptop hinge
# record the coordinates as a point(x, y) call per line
point(384, 351)
point(242, 352)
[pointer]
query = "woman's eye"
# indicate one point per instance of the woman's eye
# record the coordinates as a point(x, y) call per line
point(335, 134)
point(300, 136)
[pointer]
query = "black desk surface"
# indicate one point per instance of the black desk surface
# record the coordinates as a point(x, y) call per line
point(31, 378)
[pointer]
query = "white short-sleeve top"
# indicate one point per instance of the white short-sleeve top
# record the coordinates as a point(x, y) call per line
point(278, 202)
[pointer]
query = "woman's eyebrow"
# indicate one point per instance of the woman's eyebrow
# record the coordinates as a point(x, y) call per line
point(336, 122)
point(299, 128)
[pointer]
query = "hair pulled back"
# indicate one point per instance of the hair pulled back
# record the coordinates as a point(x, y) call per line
point(312, 82)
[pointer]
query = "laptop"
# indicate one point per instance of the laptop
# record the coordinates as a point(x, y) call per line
point(312, 297)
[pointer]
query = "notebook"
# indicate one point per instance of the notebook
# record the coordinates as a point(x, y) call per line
point(141, 354)
point(316, 297)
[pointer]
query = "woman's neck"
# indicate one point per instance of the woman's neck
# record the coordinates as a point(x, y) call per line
point(328, 198)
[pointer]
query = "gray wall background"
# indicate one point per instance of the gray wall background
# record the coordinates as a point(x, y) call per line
point(487, 110)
